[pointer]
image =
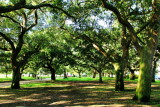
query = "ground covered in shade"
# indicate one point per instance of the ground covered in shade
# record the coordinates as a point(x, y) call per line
point(75, 93)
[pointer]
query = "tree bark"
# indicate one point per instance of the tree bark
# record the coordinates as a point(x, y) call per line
point(143, 89)
point(16, 78)
point(122, 62)
point(65, 75)
point(119, 84)
point(132, 76)
point(146, 52)
point(79, 73)
point(6, 74)
point(100, 76)
point(94, 74)
point(53, 73)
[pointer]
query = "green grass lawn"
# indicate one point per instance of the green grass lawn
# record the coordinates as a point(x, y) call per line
point(34, 85)
point(5, 79)
point(84, 79)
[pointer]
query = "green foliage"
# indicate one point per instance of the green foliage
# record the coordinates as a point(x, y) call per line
point(14, 1)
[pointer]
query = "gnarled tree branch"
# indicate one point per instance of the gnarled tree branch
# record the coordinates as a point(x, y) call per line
point(8, 40)
point(13, 20)
point(4, 9)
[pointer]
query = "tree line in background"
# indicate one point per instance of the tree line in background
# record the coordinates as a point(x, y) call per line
point(111, 36)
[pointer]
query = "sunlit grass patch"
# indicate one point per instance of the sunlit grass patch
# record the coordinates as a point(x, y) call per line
point(78, 79)
point(28, 78)
point(5, 79)
point(34, 85)
point(85, 79)
point(157, 81)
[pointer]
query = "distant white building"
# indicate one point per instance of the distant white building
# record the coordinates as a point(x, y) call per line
point(157, 76)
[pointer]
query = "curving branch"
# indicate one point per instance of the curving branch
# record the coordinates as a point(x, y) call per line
point(24, 30)
point(8, 40)
point(27, 56)
point(13, 20)
point(24, 22)
point(143, 27)
point(36, 21)
point(5, 9)
point(5, 49)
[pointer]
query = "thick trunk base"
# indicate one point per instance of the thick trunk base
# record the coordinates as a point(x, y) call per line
point(100, 77)
point(119, 83)
point(143, 90)
point(15, 80)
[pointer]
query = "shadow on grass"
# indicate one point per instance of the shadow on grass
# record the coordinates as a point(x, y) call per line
point(73, 94)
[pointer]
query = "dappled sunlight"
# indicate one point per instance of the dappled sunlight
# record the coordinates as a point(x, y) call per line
point(7, 101)
point(122, 98)
point(7, 95)
point(27, 99)
point(89, 87)
point(72, 94)
point(113, 105)
point(59, 102)
point(63, 96)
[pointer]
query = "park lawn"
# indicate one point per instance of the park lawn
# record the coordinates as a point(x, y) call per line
point(84, 79)
point(66, 92)
point(5, 79)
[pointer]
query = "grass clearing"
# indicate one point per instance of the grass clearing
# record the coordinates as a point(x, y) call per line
point(34, 85)
point(5, 79)
point(84, 79)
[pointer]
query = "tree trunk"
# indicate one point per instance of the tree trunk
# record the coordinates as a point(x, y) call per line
point(100, 76)
point(34, 75)
point(109, 75)
point(6, 74)
point(119, 85)
point(103, 74)
point(16, 78)
point(122, 62)
point(94, 74)
point(20, 76)
point(79, 73)
point(65, 75)
point(53, 73)
point(143, 89)
point(132, 76)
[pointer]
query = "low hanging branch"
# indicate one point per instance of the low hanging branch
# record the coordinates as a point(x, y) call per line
point(27, 56)
point(8, 40)
point(13, 20)
point(22, 4)
point(5, 49)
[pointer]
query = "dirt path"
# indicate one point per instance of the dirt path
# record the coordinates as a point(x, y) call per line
point(6, 84)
